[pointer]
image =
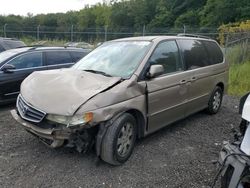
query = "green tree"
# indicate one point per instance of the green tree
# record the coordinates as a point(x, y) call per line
point(217, 12)
point(189, 18)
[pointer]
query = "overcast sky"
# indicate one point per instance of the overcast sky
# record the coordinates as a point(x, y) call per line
point(22, 7)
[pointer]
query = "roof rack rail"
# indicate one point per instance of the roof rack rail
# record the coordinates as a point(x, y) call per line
point(192, 35)
point(32, 47)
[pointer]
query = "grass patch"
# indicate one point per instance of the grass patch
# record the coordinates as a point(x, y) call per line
point(239, 79)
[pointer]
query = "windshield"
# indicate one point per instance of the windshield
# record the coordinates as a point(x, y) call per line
point(9, 53)
point(118, 59)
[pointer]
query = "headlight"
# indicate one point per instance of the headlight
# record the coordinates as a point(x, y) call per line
point(71, 120)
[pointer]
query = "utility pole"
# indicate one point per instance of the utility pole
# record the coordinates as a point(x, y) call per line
point(4, 30)
point(71, 33)
point(38, 33)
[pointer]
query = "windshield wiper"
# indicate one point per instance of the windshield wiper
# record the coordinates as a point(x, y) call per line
point(98, 72)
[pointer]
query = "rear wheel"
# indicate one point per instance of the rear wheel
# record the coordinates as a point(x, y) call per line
point(119, 140)
point(215, 101)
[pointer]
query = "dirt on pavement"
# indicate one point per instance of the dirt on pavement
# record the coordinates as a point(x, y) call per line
point(179, 155)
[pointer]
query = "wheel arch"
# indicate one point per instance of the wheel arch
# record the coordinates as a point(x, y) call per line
point(140, 121)
point(221, 85)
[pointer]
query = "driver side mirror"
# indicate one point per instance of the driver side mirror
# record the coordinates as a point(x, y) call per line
point(155, 70)
point(8, 68)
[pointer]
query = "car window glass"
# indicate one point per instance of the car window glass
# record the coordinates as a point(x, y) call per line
point(28, 60)
point(58, 57)
point(116, 58)
point(214, 52)
point(167, 55)
point(11, 53)
point(194, 53)
point(77, 55)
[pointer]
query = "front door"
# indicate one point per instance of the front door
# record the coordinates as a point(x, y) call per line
point(24, 65)
point(167, 93)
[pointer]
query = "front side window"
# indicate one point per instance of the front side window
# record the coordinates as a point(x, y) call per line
point(194, 53)
point(28, 60)
point(58, 57)
point(119, 58)
point(167, 55)
point(11, 53)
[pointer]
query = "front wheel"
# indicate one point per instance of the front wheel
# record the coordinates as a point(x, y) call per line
point(119, 140)
point(215, 101)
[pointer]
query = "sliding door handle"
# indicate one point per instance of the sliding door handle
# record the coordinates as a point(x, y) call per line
point(193, 79)
point(183, 81)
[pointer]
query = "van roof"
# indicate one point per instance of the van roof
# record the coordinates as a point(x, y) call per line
point(153, 38)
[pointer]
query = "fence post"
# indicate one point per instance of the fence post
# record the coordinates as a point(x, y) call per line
point(4, 30)
point(143, 30)
point(106, 30)
point(72, 33)
point(38, 33)
point(226, 43)
point(245, 50)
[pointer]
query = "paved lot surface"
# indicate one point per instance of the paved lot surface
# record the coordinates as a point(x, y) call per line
point(180, 155)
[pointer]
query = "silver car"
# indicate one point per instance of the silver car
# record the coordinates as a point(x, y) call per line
point(123, 90)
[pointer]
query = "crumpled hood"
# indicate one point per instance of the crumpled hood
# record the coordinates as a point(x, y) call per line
point(63, 91)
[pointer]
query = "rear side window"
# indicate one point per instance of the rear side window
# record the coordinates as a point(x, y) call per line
point(58, 57)
point(194, 53)
point(77, 55)
point(214, 52)
point(29, 60)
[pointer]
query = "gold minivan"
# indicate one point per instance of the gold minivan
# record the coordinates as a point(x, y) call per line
point(123, 90)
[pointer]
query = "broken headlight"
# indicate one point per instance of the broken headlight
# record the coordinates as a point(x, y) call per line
point(71, 120)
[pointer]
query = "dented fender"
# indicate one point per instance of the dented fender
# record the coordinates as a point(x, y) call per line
point(127, 95)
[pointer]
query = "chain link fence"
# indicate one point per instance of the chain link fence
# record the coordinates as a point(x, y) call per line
point(235, 45)
point(92, 35)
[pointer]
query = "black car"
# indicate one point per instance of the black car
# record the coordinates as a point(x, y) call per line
point(10, 43)
point(17, 64)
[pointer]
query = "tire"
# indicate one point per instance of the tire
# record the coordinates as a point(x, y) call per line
point(119, 140)
point(215, 101)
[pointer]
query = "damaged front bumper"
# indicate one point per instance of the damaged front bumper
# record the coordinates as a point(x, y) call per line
point(234, 164)
point(58, 136)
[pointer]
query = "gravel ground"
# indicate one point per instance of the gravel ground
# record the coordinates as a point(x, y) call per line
point(179, 155)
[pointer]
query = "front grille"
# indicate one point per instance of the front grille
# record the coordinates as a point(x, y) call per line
point(28, 112)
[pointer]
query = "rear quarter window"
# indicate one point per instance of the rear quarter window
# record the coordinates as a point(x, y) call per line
point(77, 55)
point(194, 53)
point(58, 57)
point(214, 52)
